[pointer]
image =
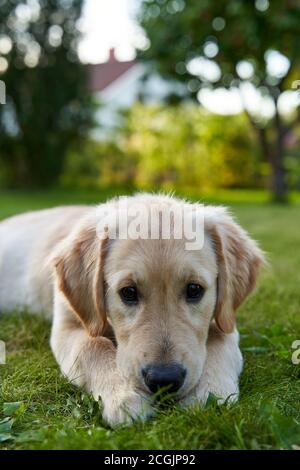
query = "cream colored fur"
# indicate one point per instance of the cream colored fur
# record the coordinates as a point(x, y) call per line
point(53, 262)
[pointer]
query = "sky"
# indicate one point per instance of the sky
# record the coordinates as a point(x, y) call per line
point(111, 24)
point(107, 24)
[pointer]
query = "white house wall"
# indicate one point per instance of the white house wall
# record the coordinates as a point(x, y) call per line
point(123, 93)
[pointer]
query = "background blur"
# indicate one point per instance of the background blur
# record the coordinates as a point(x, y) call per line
point(197, 97)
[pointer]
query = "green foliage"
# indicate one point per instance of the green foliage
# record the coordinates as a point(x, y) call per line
point(48, 108)
point(180, 30)
point(166, 147)
point(226, 35)
point(40, 409)
point(99, 164)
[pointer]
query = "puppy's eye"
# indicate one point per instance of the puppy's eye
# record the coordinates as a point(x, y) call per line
point(129, 295)
point(194, 292)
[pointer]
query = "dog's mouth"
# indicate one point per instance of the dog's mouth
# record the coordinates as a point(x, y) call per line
point(160, 400)
point(163, 397)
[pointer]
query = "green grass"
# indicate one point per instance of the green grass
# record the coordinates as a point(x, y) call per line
point(54, 415)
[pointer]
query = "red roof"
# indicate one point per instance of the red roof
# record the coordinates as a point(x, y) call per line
point(103, 75)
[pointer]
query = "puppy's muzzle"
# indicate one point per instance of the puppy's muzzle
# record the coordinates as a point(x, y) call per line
point(165, 377)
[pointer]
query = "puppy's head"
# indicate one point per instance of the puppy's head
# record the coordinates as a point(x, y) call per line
point(159, 297)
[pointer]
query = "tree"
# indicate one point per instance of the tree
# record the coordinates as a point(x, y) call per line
point(47, 107)
point(240, 40)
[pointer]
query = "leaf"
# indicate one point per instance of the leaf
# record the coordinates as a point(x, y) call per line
point(12, 408)
point(6, 425)
point(5, 429)
point(211, 400)
point(5, 437)
point(285, 429)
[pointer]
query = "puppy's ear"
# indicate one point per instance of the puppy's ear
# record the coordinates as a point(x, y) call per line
point(239, 258)
point(78, 264)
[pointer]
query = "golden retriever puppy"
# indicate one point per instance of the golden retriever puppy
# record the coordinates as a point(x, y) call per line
point(135, 312)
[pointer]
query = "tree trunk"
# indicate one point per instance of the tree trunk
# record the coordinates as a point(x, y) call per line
point(273, 153)
point(278, 174)
point(278, 184)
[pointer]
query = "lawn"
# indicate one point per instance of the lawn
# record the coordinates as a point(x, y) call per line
point(40, 410)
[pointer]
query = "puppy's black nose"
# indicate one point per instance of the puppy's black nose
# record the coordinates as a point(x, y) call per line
point(168, 376)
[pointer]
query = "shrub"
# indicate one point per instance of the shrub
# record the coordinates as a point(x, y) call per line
point(167, 147)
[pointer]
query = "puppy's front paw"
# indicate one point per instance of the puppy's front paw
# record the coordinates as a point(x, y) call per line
point(124, 407)
point(225, 393)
